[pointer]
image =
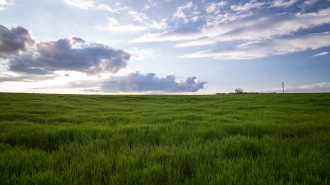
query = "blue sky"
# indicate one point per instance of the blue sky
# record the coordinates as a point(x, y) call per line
point(164, 46)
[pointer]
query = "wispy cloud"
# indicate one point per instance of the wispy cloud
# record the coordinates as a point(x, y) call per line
point(247, 6)
point(246, 26)
point(308, 88)
point(283, 3)
point(309, 2)
point(316, 86)
point(83, 4)
point(138, 54)
point(214, 7)
point(137, 16)
point(320, 54)
point(260, 49)
point(107, 8)
point(251, 29)
point(25, 77)
point(179, 14)
point(169, 36)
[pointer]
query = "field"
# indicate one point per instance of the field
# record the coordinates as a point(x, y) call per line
point(165, 139)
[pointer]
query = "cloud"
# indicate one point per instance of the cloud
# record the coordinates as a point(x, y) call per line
point(248, 6)
point(169, 36)
point(83, 4)
point(114, 26)
point(112, 21)
point(144, 24)
point(316, 86)
point(140, 54)
point(137, 82)
point(24, 78)
point(137, 16)
point(147, 22)
point(260, 49)
point(309, 88)
point(158, 25)
point(127, 28)
point(245, 26)
point(4, 4)
point(320, 54)
point(309, 2)
point(214, 7)
point(107, 8)
point(68, 54)
point(179, 14)
point(283, 3)
point(260, 27)
point(14, 40)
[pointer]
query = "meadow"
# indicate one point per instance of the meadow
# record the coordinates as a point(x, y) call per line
point(165, 139)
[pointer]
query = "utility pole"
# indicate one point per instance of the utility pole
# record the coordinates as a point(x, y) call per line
point(283, 87)
point(193, 90)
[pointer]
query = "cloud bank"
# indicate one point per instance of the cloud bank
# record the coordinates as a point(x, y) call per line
point(32, 62)
point(137, 82)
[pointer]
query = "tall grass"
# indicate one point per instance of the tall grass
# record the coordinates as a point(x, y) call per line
point(224, 139)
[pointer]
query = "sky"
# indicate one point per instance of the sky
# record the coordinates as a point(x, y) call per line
point(164, 46)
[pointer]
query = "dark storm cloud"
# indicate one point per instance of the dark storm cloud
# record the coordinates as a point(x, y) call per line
point(136, 82)
point(70, 54)
point(13, 40)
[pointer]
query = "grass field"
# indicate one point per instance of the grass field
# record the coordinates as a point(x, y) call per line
point(165, 139)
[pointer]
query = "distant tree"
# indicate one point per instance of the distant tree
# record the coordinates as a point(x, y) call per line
point(239, 91)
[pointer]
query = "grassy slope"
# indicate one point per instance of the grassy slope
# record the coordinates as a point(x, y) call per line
point(225, 139)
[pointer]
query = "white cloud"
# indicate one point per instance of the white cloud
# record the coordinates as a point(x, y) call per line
point(322, 85)
point(216, 20)
point(158, 25)
point(146, 7)
point(309, 88)
point(283, 3)
point(114, 25)
point(168, 36)
point(213, 7)
point(4, 4)
point(112, 21)
point(248, 6)
point(179, 14)
point(260, 49)
point(140, 54)
point(83, 4)
point(107, 8)
point(309, 2)
point(126, 28)
point(320, 54)
point(194, 19)
point(145, 20)
point(139, 17)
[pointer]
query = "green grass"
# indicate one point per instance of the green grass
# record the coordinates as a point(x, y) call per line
point(165, 139)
